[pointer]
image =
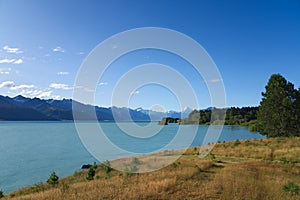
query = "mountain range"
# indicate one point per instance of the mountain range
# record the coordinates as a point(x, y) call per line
point(21, 108)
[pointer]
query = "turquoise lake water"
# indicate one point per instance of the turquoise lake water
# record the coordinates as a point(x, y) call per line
point(31, 151)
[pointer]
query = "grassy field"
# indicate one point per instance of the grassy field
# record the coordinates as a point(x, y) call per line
point(251, 169)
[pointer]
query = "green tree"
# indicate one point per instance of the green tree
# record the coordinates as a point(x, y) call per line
point(92, 172)
point(53, 179)
point(1, 194)
point(297, 113)
point(276, 114)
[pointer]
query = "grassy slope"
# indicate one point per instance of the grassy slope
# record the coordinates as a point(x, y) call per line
point(254, 169)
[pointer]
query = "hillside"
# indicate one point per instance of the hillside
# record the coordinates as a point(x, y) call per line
point(251, 169)
point(20, 108)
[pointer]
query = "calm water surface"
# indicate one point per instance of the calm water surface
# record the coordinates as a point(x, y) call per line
point(31, 151)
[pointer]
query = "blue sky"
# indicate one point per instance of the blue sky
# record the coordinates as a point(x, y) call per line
point(43, 43)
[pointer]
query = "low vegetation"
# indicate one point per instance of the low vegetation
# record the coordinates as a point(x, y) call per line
point(53, 179)
point(242, 169)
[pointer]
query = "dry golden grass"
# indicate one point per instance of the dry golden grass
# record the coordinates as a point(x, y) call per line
point(254, 169)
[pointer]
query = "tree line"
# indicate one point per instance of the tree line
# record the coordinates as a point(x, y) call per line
point(277, 115)
point(234, 116)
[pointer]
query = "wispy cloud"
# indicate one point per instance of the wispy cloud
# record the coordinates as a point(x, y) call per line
point(11, 85)
point(58, 49)
point(214, 81)
point(7, 84)
point(47, 94)
point(83, 89)
point(103, 83)
point(22, 87)
point(135, 92)
point(62, 73)
point(28, 90)
point(5, 70)
point(13, 61)
point(81, 53)
point(60, 86)
point(31, 93)
point(7, 60)
point(42, 94)
point(19, 61)
point(12, 49)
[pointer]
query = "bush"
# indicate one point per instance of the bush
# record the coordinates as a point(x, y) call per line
point(253, 128)
point(291, 188)
point(247, 143)
point(91, 172)
point(135, 161)
point(236, 143)
point(283, 160)
point(1, 194)
point(53, 179)
point(174, 165)
point(106, 167)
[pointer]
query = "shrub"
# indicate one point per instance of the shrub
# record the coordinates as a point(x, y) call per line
point(135, 161)
point(291, 188)
point(198, 168)
point(253, 128)
point(283, 160)
point(53, 179)
point(91, 172)
point(1, 194)
point(174, 165)
point(247, 143)
point(236, 143)
point(106, 167)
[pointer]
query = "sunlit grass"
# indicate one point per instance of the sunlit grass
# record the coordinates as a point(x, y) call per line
point(249, 169)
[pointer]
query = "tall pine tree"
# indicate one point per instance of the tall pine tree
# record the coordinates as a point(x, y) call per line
point(276, 115)
point(297, 113)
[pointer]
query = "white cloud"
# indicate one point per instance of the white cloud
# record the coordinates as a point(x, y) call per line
point(214, 81)
point(19, 61)
point(31, 92)
point(7, 84)
point(81, 53)
point(11, 49)
point(58, 49)
point(5, 70)
point(7, 60)
point(22, 87)
point(47, 94)
point(103, 83)
point(11, 85)
point(60, 86)
point(135, 92)
point(62, 73)
point(13, 61)
point(88, 90)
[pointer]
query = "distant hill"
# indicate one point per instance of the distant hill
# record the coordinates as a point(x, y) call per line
point(20, 108)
